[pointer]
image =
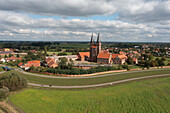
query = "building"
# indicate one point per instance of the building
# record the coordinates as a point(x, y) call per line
point(13, 58)
point(51, 62)
point(26, 66)
point(82, 56)
point(95, 48)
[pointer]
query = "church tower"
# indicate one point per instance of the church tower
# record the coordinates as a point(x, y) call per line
point(91, 48)
point(98, 44)
point(95, 48)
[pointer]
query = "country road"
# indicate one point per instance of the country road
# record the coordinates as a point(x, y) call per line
point(97, 85)
point(94, 76)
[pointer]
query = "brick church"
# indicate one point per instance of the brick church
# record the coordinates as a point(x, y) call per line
point(100, 56)
point(95, 48)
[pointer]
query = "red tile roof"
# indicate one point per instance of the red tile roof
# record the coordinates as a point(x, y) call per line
point(104, 55)
point(35, 61)
point(114, 55)
point(20, 64)
point(84, 54)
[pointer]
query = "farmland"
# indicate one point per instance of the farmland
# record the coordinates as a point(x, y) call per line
point(142, 97)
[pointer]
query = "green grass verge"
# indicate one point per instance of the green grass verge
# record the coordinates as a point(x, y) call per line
point(150, 96)
point(87, 81)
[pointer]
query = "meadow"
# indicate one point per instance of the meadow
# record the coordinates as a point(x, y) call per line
point(87, 81)
point(150, 96)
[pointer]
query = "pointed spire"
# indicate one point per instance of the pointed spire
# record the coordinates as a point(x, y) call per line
point(98, 38)
point(92, 40)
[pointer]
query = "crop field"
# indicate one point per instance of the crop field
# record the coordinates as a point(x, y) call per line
point(87, 81)
point(150, 96)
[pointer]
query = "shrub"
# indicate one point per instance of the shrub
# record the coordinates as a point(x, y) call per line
point(14, 82)
point(4, 93)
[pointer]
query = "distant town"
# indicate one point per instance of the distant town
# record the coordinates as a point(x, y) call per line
point(57, 56)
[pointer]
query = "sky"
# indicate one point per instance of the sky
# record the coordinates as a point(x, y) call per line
point(76, 20)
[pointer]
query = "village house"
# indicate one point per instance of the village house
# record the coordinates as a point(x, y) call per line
point(13, 58)
point(26, 66)
point(51, 62)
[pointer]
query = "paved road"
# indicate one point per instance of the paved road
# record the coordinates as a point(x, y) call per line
point(94, 76)
point(97, 85)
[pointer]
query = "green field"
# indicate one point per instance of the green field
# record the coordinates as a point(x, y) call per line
point(51, 53)
point(150, 96)
point(87, 81)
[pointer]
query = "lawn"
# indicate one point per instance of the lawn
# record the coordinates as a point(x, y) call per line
point(150, 96)
point(87, 81)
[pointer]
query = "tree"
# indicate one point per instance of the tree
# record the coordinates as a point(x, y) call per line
point(130, 60)
point(10, 55)
point(45, 50)
point(151, 57)
point(163, 58)
point(62, 62)
point(18, 55)
point(147, 63)
point(153, 63)
point(6, 56)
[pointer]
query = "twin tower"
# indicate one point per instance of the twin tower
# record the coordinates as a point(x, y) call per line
point(95, 48)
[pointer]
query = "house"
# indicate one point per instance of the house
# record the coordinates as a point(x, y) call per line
point(35, 63)
point(13, 58)
point(104, 58)
point(82, 56)
point(119, 59)
point(51, 62)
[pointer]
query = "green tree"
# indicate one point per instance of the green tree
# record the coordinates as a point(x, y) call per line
point(62, 63)
point(130, 60)
point(151, 57)
point(45, 50)
point(163, 58)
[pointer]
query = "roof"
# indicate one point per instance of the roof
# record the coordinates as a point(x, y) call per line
point(51, 63)
point(29, 65)
point(122, 56)
point(35, 61)
point(48, 59)
point(104, 55)
point(14, 58)
point(20, 64)
point(84, 54)
point(114, 55)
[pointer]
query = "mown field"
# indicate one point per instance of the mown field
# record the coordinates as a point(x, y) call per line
point(150, 96)
point(88, 81)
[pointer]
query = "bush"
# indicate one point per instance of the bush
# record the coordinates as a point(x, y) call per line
point(77, 71)
point(14, 82)
point(4, 93)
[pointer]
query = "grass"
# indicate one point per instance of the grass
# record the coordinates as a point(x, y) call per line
point(87, 81)
point(50, 53)
point(150, 96)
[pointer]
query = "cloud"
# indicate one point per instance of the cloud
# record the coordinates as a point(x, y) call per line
point(21, 27)
point(131, 10)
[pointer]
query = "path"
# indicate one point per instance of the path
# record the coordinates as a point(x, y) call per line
point(97, 85)
point(94, 76)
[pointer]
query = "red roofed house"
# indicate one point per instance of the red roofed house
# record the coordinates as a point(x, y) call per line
point(104, 58)
point(35, 63)
point(51, 62)
point(82, 56)
point(13, 58)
